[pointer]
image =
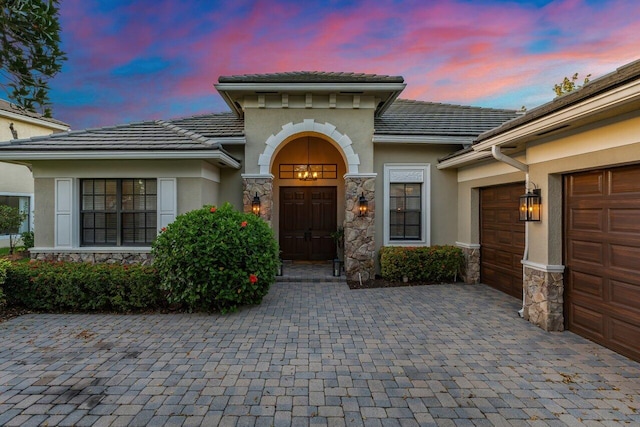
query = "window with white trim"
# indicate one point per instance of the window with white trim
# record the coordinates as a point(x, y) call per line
point(118, 212)
point(406, 204)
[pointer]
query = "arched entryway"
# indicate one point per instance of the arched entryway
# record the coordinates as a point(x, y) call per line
point(307, 212)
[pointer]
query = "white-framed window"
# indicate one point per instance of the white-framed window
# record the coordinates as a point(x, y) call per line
point(112, 212)
point(118, 212)
point(407, 204)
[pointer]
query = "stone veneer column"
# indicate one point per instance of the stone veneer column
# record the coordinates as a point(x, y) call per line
point(543, 300)
point(471, 273)
point(359, 231)
point(263, 185)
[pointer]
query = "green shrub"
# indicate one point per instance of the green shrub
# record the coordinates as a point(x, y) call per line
point(216, 259)
point(5, 264)
point(70, 286)
point(432, 264)
point(28, 239)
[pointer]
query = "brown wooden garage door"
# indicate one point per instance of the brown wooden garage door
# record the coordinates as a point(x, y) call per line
point(602, 257)
point(501, 238)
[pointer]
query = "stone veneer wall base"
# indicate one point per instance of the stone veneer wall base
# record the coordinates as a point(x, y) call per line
point(263, 186)
point(543, 303)
point(471, 273)
point(359, 231)
point(95, 257)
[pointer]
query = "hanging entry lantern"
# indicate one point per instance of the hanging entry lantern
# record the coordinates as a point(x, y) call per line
point(530, 205)
point(363, 205)
point(306, 174)
point(255, 205)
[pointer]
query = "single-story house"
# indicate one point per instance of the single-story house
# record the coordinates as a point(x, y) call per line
point(315, 148)
point(16, 181)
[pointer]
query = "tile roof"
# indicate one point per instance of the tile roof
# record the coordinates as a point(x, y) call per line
point(407, 117)
point(152, 135)
point(13, 108)
point(311, 77)
point(217, 125)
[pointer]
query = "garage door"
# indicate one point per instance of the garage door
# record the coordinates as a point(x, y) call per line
point(602, 257)
point(501, 238)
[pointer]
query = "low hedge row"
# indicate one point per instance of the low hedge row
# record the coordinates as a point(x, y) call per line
point(69, 286)
point(432, 264)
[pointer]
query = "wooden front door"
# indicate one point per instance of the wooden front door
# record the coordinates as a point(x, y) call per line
point(501, 238)
point(308, 216)
point(601, 255)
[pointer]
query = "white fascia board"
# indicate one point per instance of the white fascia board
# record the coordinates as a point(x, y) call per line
point(309, 87)
point(422, 139)
point(33, 121)
point(604, 101)
point(119, 155)
point(463, 159)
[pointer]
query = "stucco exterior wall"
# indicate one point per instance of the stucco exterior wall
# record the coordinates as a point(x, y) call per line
point(444, 209)
point(15, 179)
point(43, 216)
point(607, 143)
point(469, 183)
point(260, 124)
point(230, 189)
point(24, 129)
point(198, 183)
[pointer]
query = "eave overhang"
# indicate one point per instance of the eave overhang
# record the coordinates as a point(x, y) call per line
point(26, 157)
point(232, 92)
point(613, 102)
point(608, 104)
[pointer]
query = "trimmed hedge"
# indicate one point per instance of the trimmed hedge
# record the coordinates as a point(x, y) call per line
point(432, 264)
point(84, 287)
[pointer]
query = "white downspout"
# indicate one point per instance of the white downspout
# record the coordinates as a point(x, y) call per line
point(498, 155)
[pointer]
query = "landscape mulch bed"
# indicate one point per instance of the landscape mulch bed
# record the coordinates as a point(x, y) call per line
point(379, 282)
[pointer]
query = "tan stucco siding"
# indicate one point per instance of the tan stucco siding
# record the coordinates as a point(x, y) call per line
point(44, 208)
point(444, 209)
point(198, 183)
point(15, 179)
point(614, 142)
point(231, 179)
point(260, 124)
point(193, 193)
point(24, 129)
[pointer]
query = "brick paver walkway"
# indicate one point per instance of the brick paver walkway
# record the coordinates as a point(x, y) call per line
point(315, 354)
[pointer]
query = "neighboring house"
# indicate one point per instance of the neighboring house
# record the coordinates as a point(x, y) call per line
point(426, 171)
point(16, 181)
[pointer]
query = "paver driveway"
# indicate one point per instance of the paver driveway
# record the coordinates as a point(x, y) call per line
point(315, 354)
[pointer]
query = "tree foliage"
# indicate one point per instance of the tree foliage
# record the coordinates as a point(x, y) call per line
point(10, 221)
point(569, 85)
point(30, 52)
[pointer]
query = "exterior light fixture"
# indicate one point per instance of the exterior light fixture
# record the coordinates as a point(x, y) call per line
point(255, 205)
point(305, 173)
point(530, 205)
point(363, 205)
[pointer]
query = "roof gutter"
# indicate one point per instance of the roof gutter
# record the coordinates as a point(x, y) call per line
point(499, 156)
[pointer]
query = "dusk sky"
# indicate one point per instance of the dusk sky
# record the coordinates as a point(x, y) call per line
point(134, 60)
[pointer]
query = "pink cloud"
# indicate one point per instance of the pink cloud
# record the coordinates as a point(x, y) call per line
point(448, 51)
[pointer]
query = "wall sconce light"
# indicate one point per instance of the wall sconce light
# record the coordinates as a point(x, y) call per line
point(255, 205)
point(530, 205)
point(363, 205)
